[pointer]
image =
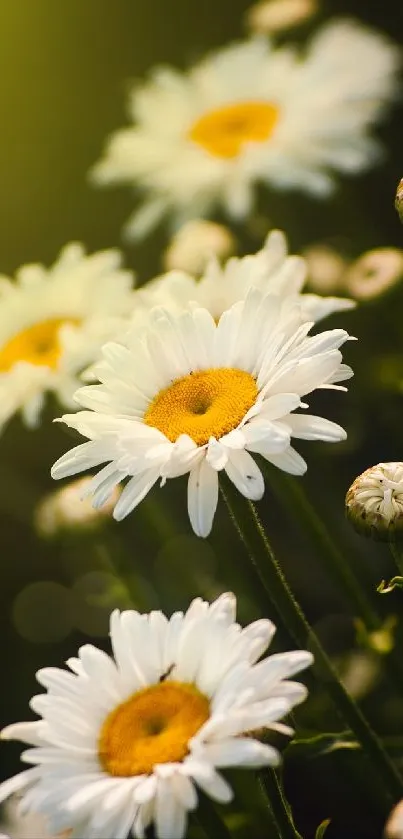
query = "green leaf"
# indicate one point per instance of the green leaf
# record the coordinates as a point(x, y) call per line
point(321, 744)
point(322, 829)
point(395, 582)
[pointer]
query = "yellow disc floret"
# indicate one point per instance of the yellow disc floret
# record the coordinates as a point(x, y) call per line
point(38, 344)
point(203, 404)
point(224, 131)
point(153, 726)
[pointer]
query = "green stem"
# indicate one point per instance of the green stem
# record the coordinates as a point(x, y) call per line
point(251, 532)
point(213, 825)
point(278, 805)
point(397, 556)
point(291, 493)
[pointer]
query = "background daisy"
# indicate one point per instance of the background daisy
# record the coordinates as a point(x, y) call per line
point(272, 270)
point(53, 323)
point(126, 742)
point(252, 112)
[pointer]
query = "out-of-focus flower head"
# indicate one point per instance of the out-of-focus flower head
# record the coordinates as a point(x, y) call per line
point(374, 502)
point(374, 273)
point(252, 113)
point(53, 323)
point(69, 507)
point(271, 16)
point(272, 270)
point(195, 243)
point(325, 270)
point(26, 825)
point(394, 826)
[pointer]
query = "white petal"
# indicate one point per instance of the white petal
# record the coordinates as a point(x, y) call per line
point(245, 474)
point(241, 751)
point(308, 427)
point(134, 492)
point(202, 497)
point(289, 461)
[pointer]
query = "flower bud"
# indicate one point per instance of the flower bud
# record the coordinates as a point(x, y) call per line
point(270, 16)
point(394, 827)
point(399, 200)
point(326, 269)
point(374, 502)
point(195, 243)
point(68, 508)
point(374, 273)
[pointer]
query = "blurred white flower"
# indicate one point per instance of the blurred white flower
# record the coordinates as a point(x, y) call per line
point(394, 827)
point(271, 270)
point(374, 273)
point(189, 395)
point(249, 113)
point(26, 826)
point(374, 502)
point(271, 16)
point(326, 269)
point(125, 742)
point(69, 507)
point(195, 243)
point(53, 323)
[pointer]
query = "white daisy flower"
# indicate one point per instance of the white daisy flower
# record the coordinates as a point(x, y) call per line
point(53, 323)
point(252, 112)
point(272, 270)
point(189, 395)
point(126, 742)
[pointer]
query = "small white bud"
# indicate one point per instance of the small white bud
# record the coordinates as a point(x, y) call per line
point(326, 269)
point(195, 242)
point(374, 502)
point(270, 16)
point(374, 273)
point(394, 826)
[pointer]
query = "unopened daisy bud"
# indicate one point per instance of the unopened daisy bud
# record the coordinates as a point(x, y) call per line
point(374, 502)
point(326, 269)
point(70, 507)
point(277, 15)
point(394, 827)
point(374, 273)
point(195, 243)
point(399, 200)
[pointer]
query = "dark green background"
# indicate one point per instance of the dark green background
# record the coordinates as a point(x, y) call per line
point(64, 73)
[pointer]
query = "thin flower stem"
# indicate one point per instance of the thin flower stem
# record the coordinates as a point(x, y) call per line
point(397, 556)
point(213, 825)
point(278, 805)
point(290, 492)
point(252, 534)
point(288, 489)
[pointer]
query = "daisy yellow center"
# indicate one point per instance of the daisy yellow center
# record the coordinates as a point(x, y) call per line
point(153, 726)
point(38, 344)
point(224, 131)
point(204, 404)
